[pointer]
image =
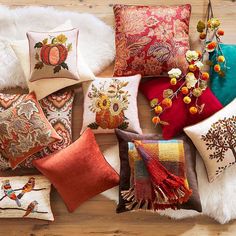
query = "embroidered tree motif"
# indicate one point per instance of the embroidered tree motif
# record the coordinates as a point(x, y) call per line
point(221, 137)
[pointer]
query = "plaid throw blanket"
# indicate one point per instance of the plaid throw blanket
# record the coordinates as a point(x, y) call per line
point(158, 179)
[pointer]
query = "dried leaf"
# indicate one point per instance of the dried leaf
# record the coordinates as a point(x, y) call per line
point(221, 74)
point(38, 65)
point(64, 66)
point(164, 122)
point(69, 47)
point(167, 93)
point(61, 38)
point(37, 56)
point(45, 41)
point(56, 69)
point(38, 45)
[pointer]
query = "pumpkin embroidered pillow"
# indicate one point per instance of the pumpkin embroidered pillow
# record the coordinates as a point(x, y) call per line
point(25, 197)
point(151, 40)
point(24, 131)
point(53, 55)
point(111, 103)
point(57, 108)
point(215, 139)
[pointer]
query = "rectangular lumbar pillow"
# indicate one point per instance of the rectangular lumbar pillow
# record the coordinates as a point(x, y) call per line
point(215, 139)
point(151, 40)
point(79, 171)
point(111, 103)
point(57, 108)
point(25, 197)
point(24, 131)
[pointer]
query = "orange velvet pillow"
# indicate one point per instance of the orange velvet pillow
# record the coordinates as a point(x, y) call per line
point(79, 171)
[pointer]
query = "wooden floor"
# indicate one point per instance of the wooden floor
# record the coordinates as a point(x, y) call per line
point(97, 216)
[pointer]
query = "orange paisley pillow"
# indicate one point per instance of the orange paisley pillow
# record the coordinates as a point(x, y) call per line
point(150, 40)
point(24, 130)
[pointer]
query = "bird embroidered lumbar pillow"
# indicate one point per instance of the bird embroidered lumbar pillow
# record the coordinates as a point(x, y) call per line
point(25, 197)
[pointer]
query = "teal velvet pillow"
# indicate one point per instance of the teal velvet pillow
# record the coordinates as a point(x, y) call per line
point(224, 88)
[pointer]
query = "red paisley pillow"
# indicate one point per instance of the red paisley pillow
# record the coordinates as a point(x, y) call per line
point(178, 115)
point(150, 40)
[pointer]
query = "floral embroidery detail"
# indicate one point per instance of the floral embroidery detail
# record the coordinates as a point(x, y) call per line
point(53, 52)
point(149, 33)
point(27, 109)
point(109, 102)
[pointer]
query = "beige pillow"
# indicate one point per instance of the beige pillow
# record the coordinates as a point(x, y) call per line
point(45, 87)
point(111, 103)
point(215, 139)
point(25, 197)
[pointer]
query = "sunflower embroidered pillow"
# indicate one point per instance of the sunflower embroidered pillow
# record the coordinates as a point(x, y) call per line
point(151, 40)
point(111, 103)
point(53, 55)
point(25, 197)
point(215, 139)
point(24, 131)
point(57, 108)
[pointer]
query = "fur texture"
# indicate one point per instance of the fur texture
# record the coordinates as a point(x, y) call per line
point(217, 198)
point(96, 39)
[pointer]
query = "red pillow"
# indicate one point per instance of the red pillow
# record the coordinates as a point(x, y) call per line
point(151, 40)
point(178, 115)
point(79, 171)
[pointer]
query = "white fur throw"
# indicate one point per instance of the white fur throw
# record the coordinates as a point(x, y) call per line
point(96, 39)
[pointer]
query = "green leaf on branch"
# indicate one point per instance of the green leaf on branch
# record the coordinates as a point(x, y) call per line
point(64, 66)
point(38, 45)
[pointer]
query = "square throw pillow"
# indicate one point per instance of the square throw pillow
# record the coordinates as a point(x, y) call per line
point(53, 54)
point(79, 171)
point(178, 115)
point(44, 87)
point(25, 197)
point(24, 131)
point(224, 87)
point(215, 139)
point(57, 108)
point(111, 103)
point(124, 138)
point(151, 40)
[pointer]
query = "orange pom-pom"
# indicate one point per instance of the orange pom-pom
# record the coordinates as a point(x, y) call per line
point(192, 68)
point(187, 99)
point(158, 109)
point(166, 102)
point(156, 120)
point(221, 59)
point(205, 76)
point(173, 81)
point(193, 110)
point(184, 90)
point(217, 68)
point(211, 45)
point(220, 32)
point(202, 35)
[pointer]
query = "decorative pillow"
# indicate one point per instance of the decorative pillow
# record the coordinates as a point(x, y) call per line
point(53, 54)
point(215, 139)
point(178, 115)
point(81, 171)
point(24, 131)
point(57, 108)
point(124, 137)
point(224, 87)
point(151, 40)
point(111, 103)
point(25, 197)
point(45, 87)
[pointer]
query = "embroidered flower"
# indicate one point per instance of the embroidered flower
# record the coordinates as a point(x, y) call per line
point(191, 56)
point(116, 107)
point(190, 80)
point(27, 109)
point(175, 73)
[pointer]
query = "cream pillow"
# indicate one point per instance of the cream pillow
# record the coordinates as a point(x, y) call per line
point(45, 87)
point(215, 139)
point(25, 197)
point(111, 103)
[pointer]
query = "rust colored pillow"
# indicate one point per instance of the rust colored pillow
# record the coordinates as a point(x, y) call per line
point(24, 131)
point(150, 40)
point(124, 137)
point(57, 108)
point(79, 171)
point(178, 115)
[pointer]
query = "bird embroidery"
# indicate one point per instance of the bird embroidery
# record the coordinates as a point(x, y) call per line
point(27, 187)
point(32, 207)
point(9, 192)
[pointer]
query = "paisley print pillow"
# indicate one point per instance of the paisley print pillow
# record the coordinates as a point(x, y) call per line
point(57, 108)
point(150, 40)
point(53, 55)
point(111, 103)
point(24, 130)
point(25, 197)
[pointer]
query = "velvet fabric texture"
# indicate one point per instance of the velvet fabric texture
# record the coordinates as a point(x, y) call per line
point(178, 116)
point(124, 137)
point(150, 40)
point(224, 87)
point(79, 171)
point(24, 131)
